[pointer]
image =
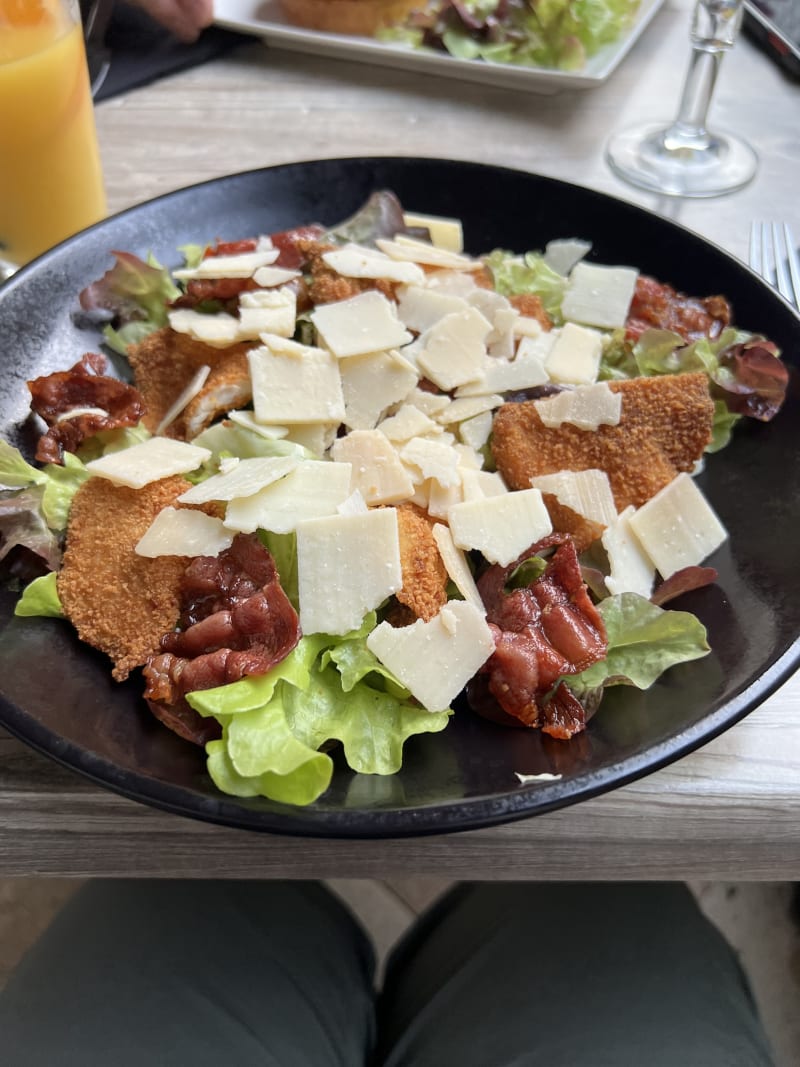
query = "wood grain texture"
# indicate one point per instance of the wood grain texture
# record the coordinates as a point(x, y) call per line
point(731, 810)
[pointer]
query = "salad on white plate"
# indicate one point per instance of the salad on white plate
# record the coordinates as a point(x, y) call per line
point(357, 472)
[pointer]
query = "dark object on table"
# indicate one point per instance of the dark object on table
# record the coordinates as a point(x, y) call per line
point(126, 48)
point(775, 27)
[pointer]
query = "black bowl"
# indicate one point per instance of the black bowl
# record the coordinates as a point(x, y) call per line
point(58, 695)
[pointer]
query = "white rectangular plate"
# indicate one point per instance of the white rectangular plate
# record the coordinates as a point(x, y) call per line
point(264, 18)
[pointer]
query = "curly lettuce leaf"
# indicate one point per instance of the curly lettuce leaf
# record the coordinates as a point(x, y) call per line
point(513, 274)
point(308, 780)
point(328, 689)
point(40, 597)
point(643, 642)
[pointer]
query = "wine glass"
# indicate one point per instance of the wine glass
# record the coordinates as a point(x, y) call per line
point(685, 158)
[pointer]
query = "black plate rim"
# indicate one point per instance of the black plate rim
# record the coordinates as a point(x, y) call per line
point(448, 816)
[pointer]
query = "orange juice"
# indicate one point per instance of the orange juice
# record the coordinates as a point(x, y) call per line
point(51, 184)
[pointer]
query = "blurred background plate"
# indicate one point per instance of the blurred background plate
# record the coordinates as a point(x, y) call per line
point(264, 18)
point(58, 695)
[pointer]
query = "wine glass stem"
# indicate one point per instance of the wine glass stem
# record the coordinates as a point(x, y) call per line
point(715, 24)
point(698, 90)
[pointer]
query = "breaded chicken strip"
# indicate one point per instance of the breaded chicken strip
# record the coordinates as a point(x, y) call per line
point(119, 602)
point(424, 589)
point(664, 428)
point(163, 365)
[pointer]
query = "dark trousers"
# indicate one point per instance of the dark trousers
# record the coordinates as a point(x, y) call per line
point(279, 974)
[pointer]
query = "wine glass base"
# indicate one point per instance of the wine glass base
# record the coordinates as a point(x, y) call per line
point(664, 159)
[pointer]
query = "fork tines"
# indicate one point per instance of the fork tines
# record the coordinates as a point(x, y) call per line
point(773, 255)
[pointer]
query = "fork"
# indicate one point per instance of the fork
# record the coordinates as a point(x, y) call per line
point(773, 255)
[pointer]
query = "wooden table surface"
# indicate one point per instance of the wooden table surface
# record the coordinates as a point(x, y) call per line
point(731, 809)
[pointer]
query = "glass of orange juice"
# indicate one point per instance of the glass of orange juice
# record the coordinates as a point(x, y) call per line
point(51, 182)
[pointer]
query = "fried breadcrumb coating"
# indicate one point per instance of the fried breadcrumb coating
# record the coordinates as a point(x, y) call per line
point(424, 589)
point(119, 602)
point(664, 428)
point(166, 361)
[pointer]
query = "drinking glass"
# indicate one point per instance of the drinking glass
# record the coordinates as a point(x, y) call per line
point(685, 158)
point(51, 183)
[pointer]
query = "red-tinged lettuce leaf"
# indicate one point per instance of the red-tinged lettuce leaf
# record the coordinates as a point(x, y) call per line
point(751, 379)
point(132, 291)
point(380, 216)
point(22, 524)
point(683, 581)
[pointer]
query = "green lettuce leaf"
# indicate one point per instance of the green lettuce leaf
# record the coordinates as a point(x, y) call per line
point(722, 426)
point(371, 724)
point(328, 689)
point(515, 274)
point(61, 484)
point(15, 471)
point(40, 597)
point(643, 642)
point(301, 786)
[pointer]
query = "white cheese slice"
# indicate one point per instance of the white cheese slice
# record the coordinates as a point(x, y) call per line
point(454, 282)
point(290, 388)
point(244, 479)
point(536, 345)
point(378, 472)
point(315, 437)
point(454, 350)
point(421, 252)
point(563, 254)
point(364, 323)
point(444, 232)
point(355, 261)
point(270, 278)
point(468, 407)
point(599, 296)
point(428, 403)
point(186, 395)
point(347, 565)
point(525, 326)
point(149, 461)
point(419, 308)
point(631, 569)
point(355, 504)
point(184, 532)
point(586, 406)
point(248, 420)
point(502, 341)
point(574, 358)
point(373, 383)
point(313, 489)
point(272, 311)
point(240, 265)
point(677, 527)
point(436, 659)
point(455, 563)
point(478, 484)
point(500, 527)
point(441, 498)
point(587, 492)
point(505, 376)
point(407, 422)
point(489, 303)
point(475, 432)
point(218, 331)
point(433, 459)
point(468, 457)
